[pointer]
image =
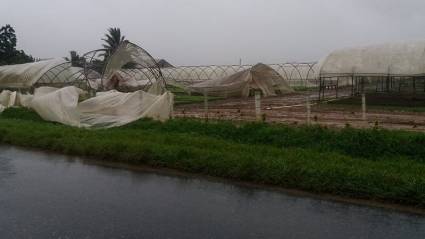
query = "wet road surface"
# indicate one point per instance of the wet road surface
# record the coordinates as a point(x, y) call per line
point(45, 195)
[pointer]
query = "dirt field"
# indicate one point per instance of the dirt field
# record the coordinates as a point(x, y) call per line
point(291, 109)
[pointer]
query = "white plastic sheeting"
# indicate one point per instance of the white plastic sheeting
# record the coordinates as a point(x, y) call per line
point(58, 105)
point(397, 59)
point(259, 77)
point(7, 98)
point(127, 52)
point(125, 78)
point(113, 108)
point(108, 109)
point(25, 75)
point(13, 98)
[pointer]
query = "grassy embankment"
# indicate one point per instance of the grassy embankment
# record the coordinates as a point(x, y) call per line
point(368, 164)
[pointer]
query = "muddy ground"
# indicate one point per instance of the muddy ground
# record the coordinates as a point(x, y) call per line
point(291, 109)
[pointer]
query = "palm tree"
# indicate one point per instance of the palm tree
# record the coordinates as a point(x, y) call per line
point(75, 59)
point(112, 40)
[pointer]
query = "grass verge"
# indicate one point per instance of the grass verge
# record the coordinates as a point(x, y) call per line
point(368, 164)
point(182, 97)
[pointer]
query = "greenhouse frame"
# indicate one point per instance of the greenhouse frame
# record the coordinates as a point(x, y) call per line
point(387, 68)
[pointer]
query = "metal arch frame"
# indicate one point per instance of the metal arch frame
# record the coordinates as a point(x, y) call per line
point(282, 68)
point(192, 74)
point(46, 74)
point(88, 59)
point(155, 69)
point(48, 78)
point(189, 73)
point(147, 70)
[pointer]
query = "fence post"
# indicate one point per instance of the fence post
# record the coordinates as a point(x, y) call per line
point(308, 110)
point(364, 118)
point(206, 104)
point(337, 87)
point(258, 105)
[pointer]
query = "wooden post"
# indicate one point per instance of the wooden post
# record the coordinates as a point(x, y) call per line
point(388, 83)
point(414, 85)
point(424, 84)
point(337, 87)
point(258, 105)
point(364, 107)
point(206, 105)
point(320, 88)
point(308, 111)
point(172, 110)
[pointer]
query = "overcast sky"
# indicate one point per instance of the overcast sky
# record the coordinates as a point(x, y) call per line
point(195, 32)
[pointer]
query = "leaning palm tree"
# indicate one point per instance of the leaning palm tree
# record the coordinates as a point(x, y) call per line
point(112, 40)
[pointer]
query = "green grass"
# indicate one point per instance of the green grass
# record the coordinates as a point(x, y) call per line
point(191, 99)
point(182, 97)
point(369, 164)
point(303, 88)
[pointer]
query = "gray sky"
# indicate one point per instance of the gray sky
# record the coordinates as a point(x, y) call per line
point(195, 32)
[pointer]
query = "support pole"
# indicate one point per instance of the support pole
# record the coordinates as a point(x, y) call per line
point(414, 85)
point(320, 88)
point(172, 108)
point(387, 85)
point(258, 105)
point(308, 111)
point(337, 87)
point(206, 105)
point(364, 107)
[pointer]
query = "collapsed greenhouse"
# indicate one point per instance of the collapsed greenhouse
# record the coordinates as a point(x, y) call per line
point(26, 76)
point(258, 78)
point(130, 83)
point(57, 87)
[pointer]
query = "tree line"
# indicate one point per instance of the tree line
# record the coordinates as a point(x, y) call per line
point(8, 52)
point(9, 55)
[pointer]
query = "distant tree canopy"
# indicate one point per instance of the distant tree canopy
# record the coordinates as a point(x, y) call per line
point(75, 59)
point(8, 53)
